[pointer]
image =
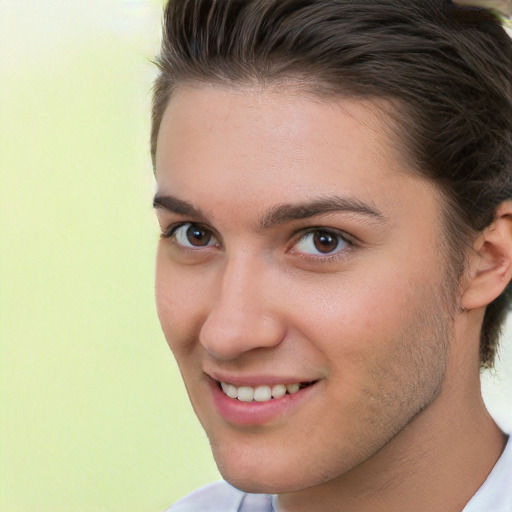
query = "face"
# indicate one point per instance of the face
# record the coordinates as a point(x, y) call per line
point(298, 283)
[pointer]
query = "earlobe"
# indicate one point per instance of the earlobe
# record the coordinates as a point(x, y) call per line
point(490, 266)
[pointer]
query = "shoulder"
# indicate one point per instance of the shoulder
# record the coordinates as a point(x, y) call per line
point(222, 497)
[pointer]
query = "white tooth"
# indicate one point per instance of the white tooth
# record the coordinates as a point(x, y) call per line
point(231, 391)
point(279, 391)
point(224, 387)
point(262, 394)
point(245, 394)
point(292, 388)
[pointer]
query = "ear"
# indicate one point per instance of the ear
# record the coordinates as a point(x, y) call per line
point(490, 265)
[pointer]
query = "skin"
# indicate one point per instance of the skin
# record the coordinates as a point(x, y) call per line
point(395, 421)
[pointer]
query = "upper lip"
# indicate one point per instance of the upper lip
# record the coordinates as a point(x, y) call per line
point(254, 380)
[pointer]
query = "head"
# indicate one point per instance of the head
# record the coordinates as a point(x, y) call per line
point(413, 102)
point(444, 72)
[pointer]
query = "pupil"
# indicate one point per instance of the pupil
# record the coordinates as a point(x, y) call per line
point(325, 242)
point(197, 236)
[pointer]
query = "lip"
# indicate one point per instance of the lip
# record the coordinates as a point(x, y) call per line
point(257, 413)
point(256, 380)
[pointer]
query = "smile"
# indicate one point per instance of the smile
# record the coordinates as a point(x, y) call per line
point(266, 401)
point(261, 393)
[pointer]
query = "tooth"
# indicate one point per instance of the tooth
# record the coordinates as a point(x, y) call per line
point(292, 388)
point(279, 391)
point(262, 394)
point(245, 394)
point(231, 391)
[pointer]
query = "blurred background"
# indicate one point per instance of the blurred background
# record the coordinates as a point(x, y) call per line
point(93, 415)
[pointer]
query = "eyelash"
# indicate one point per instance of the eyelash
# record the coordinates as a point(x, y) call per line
point(299, 236)
point(170, 231)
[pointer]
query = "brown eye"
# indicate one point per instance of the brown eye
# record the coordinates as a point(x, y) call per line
point(194, 235)
point(198, 237)
point(322, 242)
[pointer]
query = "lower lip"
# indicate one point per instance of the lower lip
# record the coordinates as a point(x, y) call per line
point(257, 413)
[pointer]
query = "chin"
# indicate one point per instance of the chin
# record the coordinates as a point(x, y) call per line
point(260, 485)
point(268, 473)
point(256, 472)
point(253, 487)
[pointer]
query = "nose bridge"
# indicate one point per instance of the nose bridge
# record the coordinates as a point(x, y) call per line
point(242, 316)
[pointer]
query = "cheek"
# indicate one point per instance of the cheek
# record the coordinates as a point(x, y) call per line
point(179, 294)
point(360, 315)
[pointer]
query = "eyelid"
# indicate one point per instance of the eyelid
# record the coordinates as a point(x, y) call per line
point(169, 231)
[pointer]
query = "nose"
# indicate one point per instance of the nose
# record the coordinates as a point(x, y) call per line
point(243, 315)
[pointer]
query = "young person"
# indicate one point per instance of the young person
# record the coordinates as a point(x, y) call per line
point(334, 192)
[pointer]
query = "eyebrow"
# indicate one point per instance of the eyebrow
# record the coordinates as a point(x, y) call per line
point(282, 213)
point(178, 206)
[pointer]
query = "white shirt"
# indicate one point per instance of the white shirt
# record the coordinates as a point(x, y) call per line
point(495, 495)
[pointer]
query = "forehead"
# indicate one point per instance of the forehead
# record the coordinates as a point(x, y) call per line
point(270, 144)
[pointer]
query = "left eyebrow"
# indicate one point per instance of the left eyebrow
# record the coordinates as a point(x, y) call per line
point(284, 213)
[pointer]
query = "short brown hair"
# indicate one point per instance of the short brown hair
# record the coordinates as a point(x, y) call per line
point(448, 69)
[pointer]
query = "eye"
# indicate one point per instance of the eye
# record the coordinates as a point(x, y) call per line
point(322, 242)
point(193, 236)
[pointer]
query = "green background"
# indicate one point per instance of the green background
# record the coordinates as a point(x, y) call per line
point(93, 415)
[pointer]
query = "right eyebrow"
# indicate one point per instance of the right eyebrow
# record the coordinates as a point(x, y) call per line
point(179, 206)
